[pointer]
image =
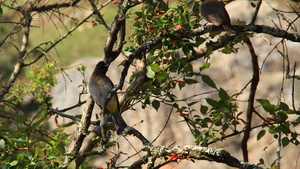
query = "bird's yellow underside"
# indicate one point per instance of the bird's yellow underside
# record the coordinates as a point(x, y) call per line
point(112, 106)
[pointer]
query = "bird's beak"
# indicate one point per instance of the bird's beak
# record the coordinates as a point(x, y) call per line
point(106, 65)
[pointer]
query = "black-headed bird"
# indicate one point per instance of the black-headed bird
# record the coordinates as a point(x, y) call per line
point(213, 11)
point(100, 86)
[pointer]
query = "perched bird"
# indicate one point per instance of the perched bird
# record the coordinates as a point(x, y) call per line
point(100, 86)
point(213, 11)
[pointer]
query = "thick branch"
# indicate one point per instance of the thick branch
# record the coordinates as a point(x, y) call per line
point(199, 153)
point(111, 54)
point(81, 132)
point(87, 146)
point(275, 32)
point(138, 164)
point(46, 8)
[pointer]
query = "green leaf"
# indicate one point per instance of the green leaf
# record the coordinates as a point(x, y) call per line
point(211, 102)
point(199, 41)
point(223, 94)
point(206, 79)
point(214, 33)
point(190, 81)
point(285, 141)
point(192, 74)
point(186, 50)
point(21, 119)
point(19, 140)
point(69, 124)
point(261, 161)
point(235, 122)
point(260, 134)
point(203, 109)
point(262, 101)
point(204, 66)
point(281, 116)
point(155, 104)
point(272, 130)
point(2, 144)
point(209, 49)
point(227, 50)
point(162, 76)
point(225, 127)
point(1, 11)
point(268, 107)
point(191, 4)
point(155, 67)
point(13, 163)
point(283, 106)
point(61, 148)
point(150, 74)
point(36, 124)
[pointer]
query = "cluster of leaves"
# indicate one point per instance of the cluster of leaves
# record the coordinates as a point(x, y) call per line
point(27, 143)
point(279, 123)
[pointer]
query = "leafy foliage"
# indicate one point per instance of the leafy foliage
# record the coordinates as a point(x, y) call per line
point(27, 144)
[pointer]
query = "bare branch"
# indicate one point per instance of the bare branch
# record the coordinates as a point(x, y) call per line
point(46, 8)
point(250, 106)
point(81, 132)
point(22, 54)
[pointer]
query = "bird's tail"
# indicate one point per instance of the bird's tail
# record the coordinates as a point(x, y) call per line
point(119, 122)
point(230, 29)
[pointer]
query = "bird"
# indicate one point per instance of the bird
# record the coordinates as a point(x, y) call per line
point(214, 11)
point(99, 87)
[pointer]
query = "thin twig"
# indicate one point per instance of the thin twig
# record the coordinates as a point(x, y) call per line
point(164, 125)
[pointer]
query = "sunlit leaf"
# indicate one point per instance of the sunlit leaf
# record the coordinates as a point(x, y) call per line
point(13, 163)
point(19, 140)
point(204, 66)
point(2, 144)
point(227, 50)
point(162, 76)
point(150, 73)
point(155, 67)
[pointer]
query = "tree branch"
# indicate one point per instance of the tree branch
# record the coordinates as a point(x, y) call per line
point(199, 153)
point(76, 143)
point(250, 106)
point(46, 8)
point(275, 32)
point(22, 54)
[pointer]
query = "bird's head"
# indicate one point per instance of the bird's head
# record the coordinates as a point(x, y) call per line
point(102, 67)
